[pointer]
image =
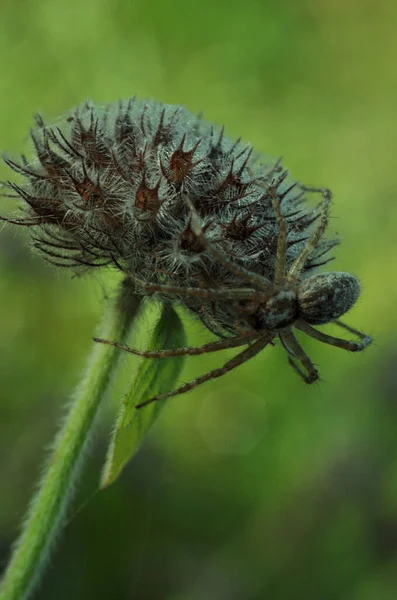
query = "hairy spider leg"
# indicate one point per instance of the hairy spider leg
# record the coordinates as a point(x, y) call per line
point(296, 352)
point(238, 360)
point(281, 256)
point(239, 340)
point(301, 259)
point(208, 318)
point(240, 272)
point(208, 294)
point(365, 340)
point(210, 323)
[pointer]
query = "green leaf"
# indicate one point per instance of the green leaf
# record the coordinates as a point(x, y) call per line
point(153, 376)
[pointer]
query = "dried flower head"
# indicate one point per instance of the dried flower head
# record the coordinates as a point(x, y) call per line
point(191, 216)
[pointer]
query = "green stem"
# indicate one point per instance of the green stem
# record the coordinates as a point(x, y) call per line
point(47, 510)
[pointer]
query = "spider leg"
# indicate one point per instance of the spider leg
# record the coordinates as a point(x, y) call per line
point(211, 293)
point(208, 294)
point(221, 325)
point(301, 259)
point(297, 353)
point(238, 360)
point(249, 276)
point(365, 340)
point(211, 325)
point(208, 317)
point(281, 240)
point(239, 340)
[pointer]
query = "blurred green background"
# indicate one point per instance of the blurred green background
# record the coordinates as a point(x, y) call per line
point(256, 486)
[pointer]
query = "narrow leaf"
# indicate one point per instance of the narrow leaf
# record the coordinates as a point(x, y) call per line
point(153, 376)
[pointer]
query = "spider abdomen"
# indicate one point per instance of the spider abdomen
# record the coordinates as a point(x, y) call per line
point(327, 296)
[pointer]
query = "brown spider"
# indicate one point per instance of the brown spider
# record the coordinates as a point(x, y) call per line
point(269, 309)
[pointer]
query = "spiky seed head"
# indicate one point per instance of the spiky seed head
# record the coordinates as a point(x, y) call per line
point(107, 186)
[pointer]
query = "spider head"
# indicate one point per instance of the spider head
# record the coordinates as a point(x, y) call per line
point(280, 310)
point(327, 296)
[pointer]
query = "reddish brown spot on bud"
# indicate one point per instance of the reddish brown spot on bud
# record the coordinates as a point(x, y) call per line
point(163, 133)
point(90, 193)
point(189, 241)
point(181, 162)
point(239, 229)
point(231, 181)
point(147, 199)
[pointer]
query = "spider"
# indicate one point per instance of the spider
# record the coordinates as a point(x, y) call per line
point(267, 309)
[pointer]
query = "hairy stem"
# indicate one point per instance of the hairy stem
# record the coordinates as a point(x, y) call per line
point(47, 510)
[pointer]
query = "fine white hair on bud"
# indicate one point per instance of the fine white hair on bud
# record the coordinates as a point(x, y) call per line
point(187, 214)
